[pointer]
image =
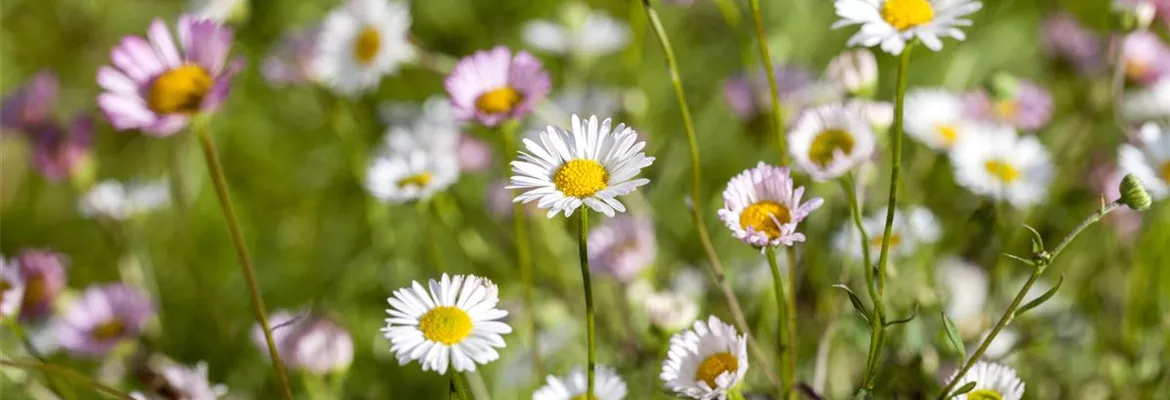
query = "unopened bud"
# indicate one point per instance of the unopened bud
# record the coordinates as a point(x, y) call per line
point(855, 71)
point(1133, 195)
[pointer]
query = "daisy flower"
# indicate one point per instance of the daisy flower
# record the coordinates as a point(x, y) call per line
point(992, 381)
point(43, 272)
point(586, 33)
point(32, 104)
point(936, 118)
point(1025, 105)
point(761, 207)
point(189, 383)
point(893, 23)
point(397, 177)
point(607, 385)
point(102, 318)
point(1149, 160)
point(117, 201)
point(994, 161)
point(307, 342)
point(911, 229)
point(706, 361)
point(830, 140)
point(493, 86)
point(455, 323)
point(622, 247)
point(11, 288)
point(158, 89)
point(590, 165)
point(1145, 58)
point(362, 41)
point(60, 152)
point(1147, 103)
point(855, 72)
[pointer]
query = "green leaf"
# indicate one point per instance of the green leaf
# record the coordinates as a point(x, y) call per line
point(963, 389)
point(1020, 259)
point(1040, 300)
point(953, 337)
point(905, 320)
point(857, 304)
point(1037, 241)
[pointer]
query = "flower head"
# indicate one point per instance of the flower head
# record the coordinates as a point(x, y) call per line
point(158, 89)
point(188, 383)
point(607, 385)
point(117, 201)
point(1145, 58)
point(59, 152)
point(362, 41)
point(670, 311)
point(590, 165)
point(418, 159)
point(291, 61)
point(494, 85)
point(11, 288)
point(102, 318)
point(454, 323)
point(893, 23)
point(622, 247)
point(44, 277)
point(936, 118)
point(992, 381)
point(994, 161)
point(706, 361)
point(307, 342)
point(854, 71)
point(762, 208)
point(831, 140)
point(1147, 103)
point(1026, 106)
point(911, 229)
point(585, 33)
point(32, 104)
point(1148, 160)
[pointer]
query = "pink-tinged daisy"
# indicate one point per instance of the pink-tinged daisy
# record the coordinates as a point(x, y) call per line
point(44, 277)
point(1026, 105)
point(761, 207)
point(155, 87)
point(32, 104)
point(622, 247)
point(494, 85)
point(60, 151)
point(1064, 38)
point(307, 342)
point(1145, 58)
point(102, 318)
point(893, 23)
point(11, 288)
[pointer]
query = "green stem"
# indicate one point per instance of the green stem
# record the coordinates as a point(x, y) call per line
point(459, 387)
point(523, 255)
point(783, 331)
point(774, 91)
point(215, 169)
point(583, 254)
point(68, 374)
point(793, 346)
point(697, 198)
point(847, 184)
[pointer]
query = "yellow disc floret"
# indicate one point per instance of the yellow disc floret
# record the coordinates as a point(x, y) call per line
point(906, 14)
point(1002, 170)
point(827, 143)
point(366, 45)
point(498, 101)
point(108, 330)
point(763, 216)
point(418, 180)
point(715, 365)
point(581, 178)
point(445, 324)
point(179, 90)
point(984, 394)
point(1165, 171)
point(948, 133)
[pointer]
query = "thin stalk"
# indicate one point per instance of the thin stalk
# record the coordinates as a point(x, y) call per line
point(583, 254)
point(774, 91)
point(783, 333)
point(459, 387)
point(1042, 264)
point(696, 195)
point(215, 169)
point(523, 255)
point(793, 346)
point(847, 184)
point(68, 374)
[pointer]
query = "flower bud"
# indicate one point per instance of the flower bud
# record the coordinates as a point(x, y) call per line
point(855, 71)
point(1133, 195)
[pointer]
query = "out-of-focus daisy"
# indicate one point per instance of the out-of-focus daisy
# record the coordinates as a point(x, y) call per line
point(854, 71)
point(362, 41)
point(400, 176)
point(1149, 160)
point(992, 381)
point(44, 277)
point(102, 318)
point(622, 247)
point(158, 89)
point(994, 161)
point(283, 323)
point(590, 165)
point(495, 85)
point(893, 23)
point(670, 311)
point(431, 128)
point(1147, 103)
point(966, 286)
point(911, 229)
point(706, 361)
point(188, 383)
point(1025, 105)
point(762, 208)
point(32, 104)
point(290, 62)
point(307, 342)
point(118, 201)
point(227, 11)
point(830, 140)
point(584, 33)
point(1063, 37)
point(11, 288)
point(59, 152)
point(935, 118)
point(607, 385)
point(1145, 58)
point(455, 323)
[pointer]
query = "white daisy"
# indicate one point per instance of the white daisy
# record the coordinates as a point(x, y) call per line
point(706, 361)
point(118, 201)
point(1149, 161)
point(432, 128)
point(11, 288)
point(830, 140)
point(455, 323)
point(1148, 103)
point(994, 161)
point(607, 385)
point(761, 207)
point(670, 311)
point(589, 165)
point(592, 34)
point(910, 230)
point(893, 23)
point(935, 117)
point(992, 381)
point(419, 160)
point(361, 42)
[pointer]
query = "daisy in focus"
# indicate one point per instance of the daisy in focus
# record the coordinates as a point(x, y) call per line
point(762, 208)
point(361, 42)
point(706, 361)
point(1149, 161)
point(994, 161)
point(494, 85)
point(911, 229)
point(893, 23)
point(831, 140)
point(103, 317)
point(585, 33)
point(937, 118)
point(590, 165)
point(607, 385)
point(158, 89)
point(992, 381)
point(454, 323)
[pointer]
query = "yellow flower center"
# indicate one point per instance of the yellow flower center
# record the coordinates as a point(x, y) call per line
point(179, 90)
point(894, 240)
point(828, 143)
point(715, 365)
point(419, 180)
point(111, 329)
point(1136, 69)
point(447, 325)
point(1002, 170)
point(765, 216)
point(366, 46)
point(984, 394)
point(1007, 109)
point(498, 101)
point(581, 178)
point(34, 292)
point(1165, 171)
point(949, 134)
point(906, 14)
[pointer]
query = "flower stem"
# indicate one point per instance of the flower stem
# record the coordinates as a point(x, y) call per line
point(696, 197)
point(523, 256)
point(784, 331)
point(68, 374)
point(1041, 264)
point(777, 117)
point(583, 254)
point(459, 389)
point(215, 169)
point(847, 184)
point(793, 346)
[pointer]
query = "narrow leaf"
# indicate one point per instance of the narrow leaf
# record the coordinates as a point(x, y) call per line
point(1020, 259)
point(963, 389)
point(1043, 298)
point(953, 337)
point(1037, 241)
point(857, 304)
point(905, 320)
